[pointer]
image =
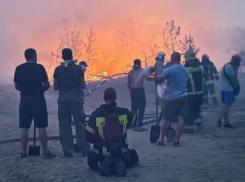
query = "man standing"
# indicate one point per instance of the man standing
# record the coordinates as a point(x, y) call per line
point(230, 88)
point(210, 72)
point(136, 86)
point(32, 81)
point(159, 65)
point(176, 102)
point(194, 91)
point(69, 80)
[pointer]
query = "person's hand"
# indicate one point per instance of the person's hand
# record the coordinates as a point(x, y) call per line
point(217, 78)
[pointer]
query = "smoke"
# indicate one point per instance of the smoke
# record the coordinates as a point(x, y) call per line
point(37, 24)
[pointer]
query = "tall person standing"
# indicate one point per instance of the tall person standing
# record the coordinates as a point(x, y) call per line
point(230, 88)
point(175, 103)
point(69, 80)
point(32, 81)
point(136, 86)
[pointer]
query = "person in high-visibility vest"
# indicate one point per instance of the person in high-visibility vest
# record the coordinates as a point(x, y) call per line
point(195, 89)
point(107, 131)
point(210, 73)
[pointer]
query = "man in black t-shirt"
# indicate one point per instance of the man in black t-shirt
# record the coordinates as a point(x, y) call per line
point(32, 81)
point(69, 80)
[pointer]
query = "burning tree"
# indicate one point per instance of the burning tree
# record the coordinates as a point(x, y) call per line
point(71, 37)
point(90, 52)
point(150, 55)
point(172, 41)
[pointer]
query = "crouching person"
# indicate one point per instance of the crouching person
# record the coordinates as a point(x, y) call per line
point(107, 130)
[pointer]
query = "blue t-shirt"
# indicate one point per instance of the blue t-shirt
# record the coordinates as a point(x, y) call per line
point(226, 86)
point(177, 77)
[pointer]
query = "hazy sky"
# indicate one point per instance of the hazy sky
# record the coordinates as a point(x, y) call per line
point(36, 23)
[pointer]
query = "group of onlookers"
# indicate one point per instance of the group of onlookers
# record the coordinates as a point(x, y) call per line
point(106, 128)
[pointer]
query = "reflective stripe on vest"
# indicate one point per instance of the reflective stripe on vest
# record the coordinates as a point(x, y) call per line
point(95, 151)
point(209, 82)
point(124, 121)
point(191, 70)
point(91, 130)
point(100, 123)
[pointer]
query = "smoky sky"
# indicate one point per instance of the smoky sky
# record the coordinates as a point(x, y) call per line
point(36, 23)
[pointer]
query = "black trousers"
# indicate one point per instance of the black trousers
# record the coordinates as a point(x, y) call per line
point(138, 103)
point(194, 109)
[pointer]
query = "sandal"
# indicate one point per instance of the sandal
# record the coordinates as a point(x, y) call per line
point(160, 143)
point(176, 144)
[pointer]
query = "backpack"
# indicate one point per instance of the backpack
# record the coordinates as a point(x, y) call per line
point(113, 133)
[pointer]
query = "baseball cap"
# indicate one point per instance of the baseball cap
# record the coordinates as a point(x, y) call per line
point(83, 63)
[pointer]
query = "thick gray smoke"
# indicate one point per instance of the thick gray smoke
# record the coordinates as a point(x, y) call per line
point(35, 23)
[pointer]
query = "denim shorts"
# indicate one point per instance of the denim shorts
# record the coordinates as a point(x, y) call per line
point(228, 97)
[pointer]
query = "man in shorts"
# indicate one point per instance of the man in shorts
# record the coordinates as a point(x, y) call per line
point(229, 84)
point(176, 102)
point(32, 81)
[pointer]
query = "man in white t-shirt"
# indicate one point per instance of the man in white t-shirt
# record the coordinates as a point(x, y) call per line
point(230, 84)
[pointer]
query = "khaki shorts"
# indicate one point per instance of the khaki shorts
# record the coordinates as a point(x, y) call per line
point(176, 107)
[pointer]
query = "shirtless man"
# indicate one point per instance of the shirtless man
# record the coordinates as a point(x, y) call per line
point(136, 87)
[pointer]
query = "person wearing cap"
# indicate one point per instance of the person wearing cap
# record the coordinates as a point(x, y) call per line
point(69, 80)
point(159, 65)
point(84, 66)
point(210, 73)
point(195, 88)
point(136, 86)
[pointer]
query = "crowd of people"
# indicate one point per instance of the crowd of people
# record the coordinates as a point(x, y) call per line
point(106, 128)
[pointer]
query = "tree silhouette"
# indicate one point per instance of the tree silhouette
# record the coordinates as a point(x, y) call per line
point(150, 55)
point(172, 41)
point(239, 45)
point(189, 44)
point(90, 52)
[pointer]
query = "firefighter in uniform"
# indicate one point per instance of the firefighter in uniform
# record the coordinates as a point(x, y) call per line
point(107, 131)
point(194, 91)
point(210, 72)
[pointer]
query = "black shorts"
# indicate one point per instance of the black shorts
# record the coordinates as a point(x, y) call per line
point(176, 107)
point(33, 108)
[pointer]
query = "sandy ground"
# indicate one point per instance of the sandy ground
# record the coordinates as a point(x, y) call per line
point(213, 154)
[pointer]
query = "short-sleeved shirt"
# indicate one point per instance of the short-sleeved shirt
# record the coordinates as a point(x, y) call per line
point(69, 78)
point(226, 86)
point(177, 77)
point(30, 77)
